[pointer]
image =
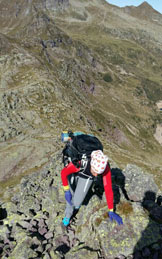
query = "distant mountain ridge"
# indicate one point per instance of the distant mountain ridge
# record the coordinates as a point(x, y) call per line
point(144, 11)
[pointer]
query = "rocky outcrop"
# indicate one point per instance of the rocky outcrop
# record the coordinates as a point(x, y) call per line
point(56, 4)
point(30, 223)
point(158, 133)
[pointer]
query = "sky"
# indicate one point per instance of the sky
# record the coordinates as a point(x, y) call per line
point(156, 4)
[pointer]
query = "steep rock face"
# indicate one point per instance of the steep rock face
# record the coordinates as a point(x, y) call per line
point(51, 4)
point(18, 7)
point(54, 5)
point(12, 14)
point(30, 224)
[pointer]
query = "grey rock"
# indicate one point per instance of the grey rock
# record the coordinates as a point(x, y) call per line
point(44, 242)
point(48, 235)
point(25, 224)
point(139, 184)
point(42, 231)
point(33, 229)
point(41, 223)
point(33, 222)
point(6, 241)
point(36, 241)
point(40, 249)
point(48, 247)
point(46, 256)
point(22, 250)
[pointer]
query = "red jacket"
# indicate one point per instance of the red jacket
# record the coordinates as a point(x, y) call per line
point(70, 168)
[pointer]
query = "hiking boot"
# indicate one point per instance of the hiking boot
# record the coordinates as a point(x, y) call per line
point(66, 221)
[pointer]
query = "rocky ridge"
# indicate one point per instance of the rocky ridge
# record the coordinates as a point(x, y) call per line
point(30, 223)
point(55, 77)
point(145, 12)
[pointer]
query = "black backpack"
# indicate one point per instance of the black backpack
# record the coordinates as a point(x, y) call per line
point(80, 146)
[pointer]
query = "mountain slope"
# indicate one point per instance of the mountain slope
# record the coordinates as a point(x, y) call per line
point(84, 65)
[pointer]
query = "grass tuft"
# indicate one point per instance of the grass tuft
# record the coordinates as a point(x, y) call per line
point(125, 208)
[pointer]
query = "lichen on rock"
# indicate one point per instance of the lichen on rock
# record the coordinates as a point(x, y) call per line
point(30, 224)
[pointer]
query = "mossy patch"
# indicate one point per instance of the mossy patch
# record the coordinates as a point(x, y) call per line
point(125, 208)
point(101, 218)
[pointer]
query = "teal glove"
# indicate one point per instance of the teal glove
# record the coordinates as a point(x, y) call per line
point(116, 217)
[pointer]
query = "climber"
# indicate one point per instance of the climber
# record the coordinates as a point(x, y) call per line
point(76, 188)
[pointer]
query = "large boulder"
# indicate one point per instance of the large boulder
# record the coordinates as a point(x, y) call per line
point(138, 183)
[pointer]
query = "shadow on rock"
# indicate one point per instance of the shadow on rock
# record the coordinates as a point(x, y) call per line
point(144, 248)
point(62, 249)
point(118, 184)
point(3, 213)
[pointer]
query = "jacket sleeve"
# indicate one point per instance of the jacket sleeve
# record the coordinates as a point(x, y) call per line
point(108, 187)
point(67, 170)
